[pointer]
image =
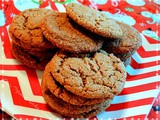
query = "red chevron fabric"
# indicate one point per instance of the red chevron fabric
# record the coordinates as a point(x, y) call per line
point(20, 86)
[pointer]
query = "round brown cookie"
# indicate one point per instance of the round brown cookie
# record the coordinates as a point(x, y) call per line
point(127, 61)
point(28, 47)
point(99, 76)
point(26, 27)
point(60, 92)
point(69, 110)
point(69, 36)
point(94, 20)
point(39, 52)
point(28, 59)
point(131, 41)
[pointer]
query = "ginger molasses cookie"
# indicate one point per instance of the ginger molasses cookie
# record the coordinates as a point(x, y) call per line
point(36, 51)
point(26, 27)
point(28, 47)
point(101, 75)
point(69, 110)
point(94, 20)
point(131, 41)
point(27, 59)
point(60, 92)
point(59, 29)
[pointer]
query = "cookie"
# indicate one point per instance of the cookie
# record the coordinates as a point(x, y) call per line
point(101, 75)
point(28, 59)
point(69, 110)
point(131, 41)
point(26, 27)
point(26, 46)
point(94, 20)
point(35, 51)
point(60, 92)
point(69, 36)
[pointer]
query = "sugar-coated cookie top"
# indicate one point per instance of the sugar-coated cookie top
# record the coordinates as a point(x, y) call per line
point(60, 92)
point(99, 76)
point(94, 20)
point(26, 27)
point(69, 36)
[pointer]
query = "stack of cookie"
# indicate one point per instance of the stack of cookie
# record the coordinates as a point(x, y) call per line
point(38, 33)
point(79, 81)
point(81, 86)
point(119, 38)
point(29, 45)
point(81, 75)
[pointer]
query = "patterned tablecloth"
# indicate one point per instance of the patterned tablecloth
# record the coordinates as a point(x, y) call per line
point(21, 99)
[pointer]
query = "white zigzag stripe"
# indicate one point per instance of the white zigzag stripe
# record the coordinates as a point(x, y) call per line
point(4, 60)
point(139, 81)
point(139, 59)
point(135, 96)
point(10, 108)
point(24, 85)
point(147, 46)
point(133, 71)
point(124, 113)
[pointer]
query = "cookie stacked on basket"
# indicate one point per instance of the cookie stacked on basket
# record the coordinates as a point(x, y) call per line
point(84, 54)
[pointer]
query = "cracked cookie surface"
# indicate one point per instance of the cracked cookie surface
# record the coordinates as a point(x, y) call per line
point(94, 20)
point(99, 76)
point(27, 27)
point(60, 92)
point(69, 36)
